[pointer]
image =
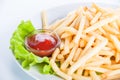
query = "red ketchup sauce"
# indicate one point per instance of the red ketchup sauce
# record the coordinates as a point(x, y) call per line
point(41, 44)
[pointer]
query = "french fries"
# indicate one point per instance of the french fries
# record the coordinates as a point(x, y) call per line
point(69, 58)
point(90, 44)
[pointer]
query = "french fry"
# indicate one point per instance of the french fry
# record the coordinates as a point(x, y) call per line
point(65, 23)
point(107, 48)
point(44, 20)
point(106, 53)
point(115, 77)
point(67, 29)
point(62, 45)
point(82, 43)
point(63, 53)
point(80, 11)
point(80, 71)
point(69, 58)
point(94, 75)
point(109, 29)
point(95, 58)
point(55, 53)
point(100, 24)
point(98, 63)
point(102, 31)
point(76, 55)
point(81, 27)
point(110, 45)
point(66, 34)
point(112, 73)
point(89, 15)
point(112, 67)
point(97, 69)
point(114, 25)
point(87, 23)
point(89, 44)
point(56, 24)
point(71, 62)
point(98, 8)
point(116, 42)
point(55, 67)
point(92, 10)
point(72, 44)
point(95, 19)
point(58, 72)
point(73, 24)
point(60, 57)
point(67, 43)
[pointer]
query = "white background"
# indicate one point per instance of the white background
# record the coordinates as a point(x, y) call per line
point(11, 13)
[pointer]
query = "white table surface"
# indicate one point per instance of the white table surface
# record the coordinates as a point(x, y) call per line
point(11, 13)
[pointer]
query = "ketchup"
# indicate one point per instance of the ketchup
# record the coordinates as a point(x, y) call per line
point(41, 44)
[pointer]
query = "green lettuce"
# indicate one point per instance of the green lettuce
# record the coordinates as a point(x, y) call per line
point(26, 58)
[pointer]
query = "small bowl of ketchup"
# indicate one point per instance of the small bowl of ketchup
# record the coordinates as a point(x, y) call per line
point(42, 42)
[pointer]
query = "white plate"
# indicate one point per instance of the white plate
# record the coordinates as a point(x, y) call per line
point(54, 14)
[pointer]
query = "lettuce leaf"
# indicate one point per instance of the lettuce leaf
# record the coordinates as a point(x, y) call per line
point(26, 58)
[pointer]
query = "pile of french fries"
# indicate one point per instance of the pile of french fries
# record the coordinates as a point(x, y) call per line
point(90, 44)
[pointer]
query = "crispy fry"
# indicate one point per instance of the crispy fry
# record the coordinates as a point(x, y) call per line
point(89, 44)
point(81, 27)
point(67, 29)
point(65, 23)
point(82, 43)
point(112, 67)
point(80, 71)
point(55, 53)
point(97, 69)
point(75, 21)
point(94, 75)
point(100, 24)
point(114, 25)
point(92, 10)
point(95, 19)
point(69, 58)
point(109, 29)
point(89, 15)
point(114, 77)
point(97, 63)
point(116, 42)
point(112, 73)
point(56, 24)
point(66, 34)
point(62, 45)
point(58, 72)
point(44, 20)
point(106, 53)
point(67, 43)
point(76, 55)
